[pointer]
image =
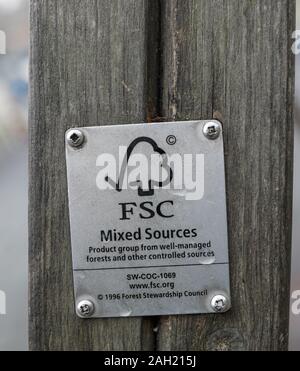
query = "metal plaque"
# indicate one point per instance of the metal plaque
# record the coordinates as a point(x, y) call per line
point(148, 219)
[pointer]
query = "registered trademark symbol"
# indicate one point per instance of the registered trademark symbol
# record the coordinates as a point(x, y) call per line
point(171, 140)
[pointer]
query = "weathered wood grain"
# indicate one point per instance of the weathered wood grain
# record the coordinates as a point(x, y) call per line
point(231, 59)
point(88, 67)
point(98, 62)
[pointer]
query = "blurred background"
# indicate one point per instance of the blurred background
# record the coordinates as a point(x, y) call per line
point(295, 284)
point(14, 21)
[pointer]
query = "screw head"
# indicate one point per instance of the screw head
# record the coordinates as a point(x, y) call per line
point(220, 304)
point(85, 309)
point(212, 130)
point(75, 138)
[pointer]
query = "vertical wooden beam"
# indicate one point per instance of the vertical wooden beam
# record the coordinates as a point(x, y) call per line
point(96, 62)
point(231, 59)
point(88, 67)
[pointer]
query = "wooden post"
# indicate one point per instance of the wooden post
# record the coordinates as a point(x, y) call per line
point(112, 61)
point(232, 60)
point(88, 67)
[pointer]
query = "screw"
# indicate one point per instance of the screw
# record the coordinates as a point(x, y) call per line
point(220, 304)
point(75, 138)
point(212, 130)
point(85, 309)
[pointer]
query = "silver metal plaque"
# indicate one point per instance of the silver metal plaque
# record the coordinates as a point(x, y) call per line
point(148, 219)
